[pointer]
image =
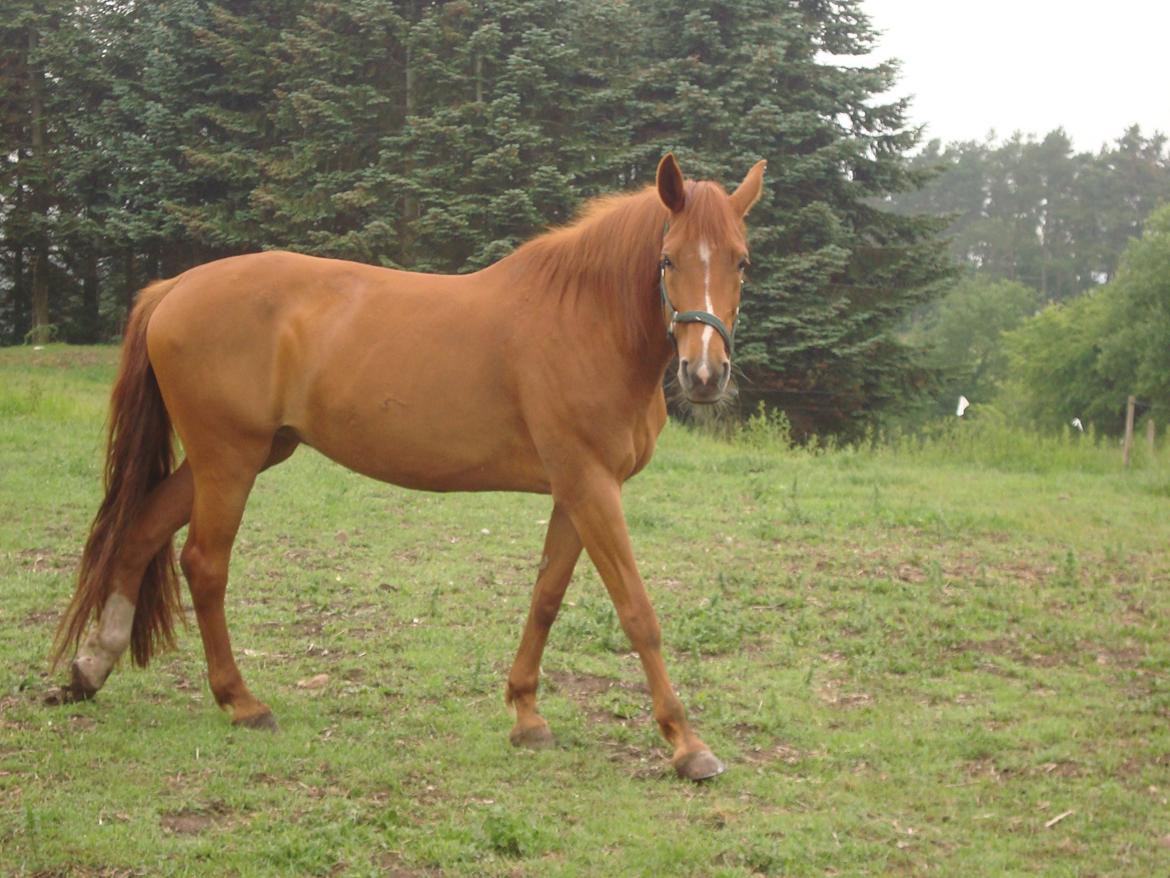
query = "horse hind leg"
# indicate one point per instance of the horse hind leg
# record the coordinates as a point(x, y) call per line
point(167, 508)
point(222, 487)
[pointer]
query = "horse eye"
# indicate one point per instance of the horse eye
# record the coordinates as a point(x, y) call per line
point(744, 263)
point(666, 263)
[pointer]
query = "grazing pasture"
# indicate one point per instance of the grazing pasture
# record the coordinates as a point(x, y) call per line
point(951, 659)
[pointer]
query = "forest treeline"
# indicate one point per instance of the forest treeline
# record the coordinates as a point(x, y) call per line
point(140, 139)
point(1059, 310)
point(1037, 211)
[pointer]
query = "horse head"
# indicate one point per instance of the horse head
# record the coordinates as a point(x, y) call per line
point(704, 257)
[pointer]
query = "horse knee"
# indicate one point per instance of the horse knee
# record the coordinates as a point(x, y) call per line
point(206, 573)
point(136, 552)
point(643, 630)
point(544, 613)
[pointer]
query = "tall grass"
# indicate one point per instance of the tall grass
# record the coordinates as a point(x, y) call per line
point(991, 443)
point(1003, 446)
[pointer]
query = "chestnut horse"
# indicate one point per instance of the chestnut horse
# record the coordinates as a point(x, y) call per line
point(541, 373)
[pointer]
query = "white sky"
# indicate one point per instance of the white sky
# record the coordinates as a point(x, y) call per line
point(1029, 65)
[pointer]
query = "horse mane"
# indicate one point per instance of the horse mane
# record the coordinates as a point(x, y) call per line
point(611, 251)
point(608, 253)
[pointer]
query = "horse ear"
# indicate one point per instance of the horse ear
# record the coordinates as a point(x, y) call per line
point(670, 183)
point(749, 190)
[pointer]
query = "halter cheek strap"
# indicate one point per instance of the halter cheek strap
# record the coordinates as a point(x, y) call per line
point(704, 317)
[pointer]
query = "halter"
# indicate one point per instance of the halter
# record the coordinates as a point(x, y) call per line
point(676, 316)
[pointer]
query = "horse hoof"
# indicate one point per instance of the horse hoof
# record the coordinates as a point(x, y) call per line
point(264, 721)
point(699, 765)
point(66, 695)
point(80, 688)
point(532, 737)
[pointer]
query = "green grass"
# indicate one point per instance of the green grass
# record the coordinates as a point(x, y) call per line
point(913, 658)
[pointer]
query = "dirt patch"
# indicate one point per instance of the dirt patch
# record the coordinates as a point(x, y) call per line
point(914, 561)
point(638, 762)
point(606, 701)
point(579, 686)
point(391, 865)
point(194, 821)
point(46, 560)
point(38, 618)
point(1065, 768)
point(8, 703)
point(82, 723)
point(832, 692)
point(77, 871)
point(602, 699)
point(1125, 655)
point(986, 768)
point(778, 752)
point(1015, 651)
point(1135, 766)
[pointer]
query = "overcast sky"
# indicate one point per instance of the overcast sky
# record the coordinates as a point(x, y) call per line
point(1030, 65)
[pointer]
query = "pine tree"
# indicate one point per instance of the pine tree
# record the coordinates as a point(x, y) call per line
point(323, 187)
point(485, 155)
point(29, 185)
point(832, 273)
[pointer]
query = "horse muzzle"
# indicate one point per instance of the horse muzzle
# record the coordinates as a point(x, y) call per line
point(704, 381)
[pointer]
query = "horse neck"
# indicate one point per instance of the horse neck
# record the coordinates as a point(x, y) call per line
point(602, 272)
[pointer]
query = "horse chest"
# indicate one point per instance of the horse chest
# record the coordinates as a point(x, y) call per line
point(646, 436)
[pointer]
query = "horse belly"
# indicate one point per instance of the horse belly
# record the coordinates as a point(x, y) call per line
point(416, 455)
point(442, 427)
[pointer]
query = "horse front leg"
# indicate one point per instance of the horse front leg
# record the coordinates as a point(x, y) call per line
point(562, 548)
point(596, 511)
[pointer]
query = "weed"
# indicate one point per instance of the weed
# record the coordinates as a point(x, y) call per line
point(765, 429)
point(512, 835)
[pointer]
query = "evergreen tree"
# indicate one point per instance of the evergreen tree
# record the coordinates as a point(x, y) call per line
point(486, 152)
point(323, 186)
point(29, 188)
point(832, 273)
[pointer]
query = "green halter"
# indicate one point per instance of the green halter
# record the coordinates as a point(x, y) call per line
point(705, 317)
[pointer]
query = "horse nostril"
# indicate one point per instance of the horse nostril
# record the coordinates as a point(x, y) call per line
point(725, 372)
point(684, 368)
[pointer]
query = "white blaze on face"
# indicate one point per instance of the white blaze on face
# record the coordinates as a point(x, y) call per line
point(705, 256)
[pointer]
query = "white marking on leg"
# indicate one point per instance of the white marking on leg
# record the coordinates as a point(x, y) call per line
point(106, 642)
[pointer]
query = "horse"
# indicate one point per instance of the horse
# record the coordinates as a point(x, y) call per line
point(541, 373)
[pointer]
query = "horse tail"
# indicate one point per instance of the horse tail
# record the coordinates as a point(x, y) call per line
point(139, 455)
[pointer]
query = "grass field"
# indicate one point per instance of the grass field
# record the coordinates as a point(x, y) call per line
point(950, 659)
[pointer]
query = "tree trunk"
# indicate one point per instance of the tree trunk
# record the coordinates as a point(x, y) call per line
point(128, 270)
point(41, 329)
point(89, 296)
point(20, 302)
point(409, 202)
